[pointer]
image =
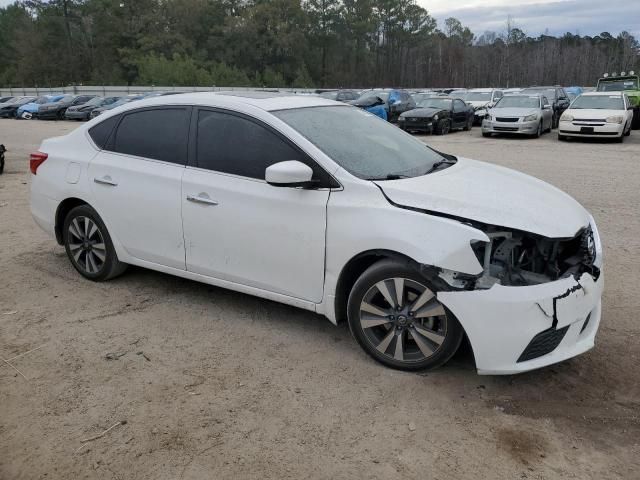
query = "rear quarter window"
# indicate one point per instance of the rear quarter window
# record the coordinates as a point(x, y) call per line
point(101, 132)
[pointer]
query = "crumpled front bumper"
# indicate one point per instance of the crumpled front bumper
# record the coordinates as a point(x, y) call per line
point(502, 322)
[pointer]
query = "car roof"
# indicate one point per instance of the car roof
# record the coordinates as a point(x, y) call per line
point(268, 101)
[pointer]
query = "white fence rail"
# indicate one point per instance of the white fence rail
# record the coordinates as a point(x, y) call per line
point(113, 90)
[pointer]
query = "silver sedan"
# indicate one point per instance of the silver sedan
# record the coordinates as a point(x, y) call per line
point(520, 114)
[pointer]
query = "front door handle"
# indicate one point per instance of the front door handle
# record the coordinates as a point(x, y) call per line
point(201, 199)
point(106, 180)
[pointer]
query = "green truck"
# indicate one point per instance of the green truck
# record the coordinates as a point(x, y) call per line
point(627, 83)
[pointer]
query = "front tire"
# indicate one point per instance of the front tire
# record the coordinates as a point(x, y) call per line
point(469, 124)
point(396, 318)
point(89, 246)
point(443, 127)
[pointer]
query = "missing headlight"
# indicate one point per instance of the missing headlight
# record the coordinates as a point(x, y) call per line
point(516, 258)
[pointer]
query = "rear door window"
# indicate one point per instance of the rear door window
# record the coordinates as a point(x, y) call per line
point(156, 134)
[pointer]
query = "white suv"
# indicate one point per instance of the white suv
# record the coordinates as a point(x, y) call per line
point(321, 205)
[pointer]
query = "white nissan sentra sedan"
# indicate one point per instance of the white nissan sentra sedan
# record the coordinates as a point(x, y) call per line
point(323, 206)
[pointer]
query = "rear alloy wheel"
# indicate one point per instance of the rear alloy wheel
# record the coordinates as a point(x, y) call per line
point(396, 318)
point(88, 245)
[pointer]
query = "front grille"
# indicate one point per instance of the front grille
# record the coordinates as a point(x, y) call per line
point(544, 342)
point(589, 133)
point(598, 120)
point(506, 129)
point(507, 119)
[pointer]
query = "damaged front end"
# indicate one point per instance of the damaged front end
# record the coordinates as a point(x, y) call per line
point(518, 258)
point(536, 302)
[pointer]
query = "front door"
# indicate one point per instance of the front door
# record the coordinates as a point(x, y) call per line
point(239, 228)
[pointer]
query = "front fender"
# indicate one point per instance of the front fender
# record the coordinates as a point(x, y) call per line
point(358, 222)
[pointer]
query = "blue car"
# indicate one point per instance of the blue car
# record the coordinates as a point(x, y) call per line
point(30, 110)
point(385, 103)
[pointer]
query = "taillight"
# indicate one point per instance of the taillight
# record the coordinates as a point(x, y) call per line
point(35, 160)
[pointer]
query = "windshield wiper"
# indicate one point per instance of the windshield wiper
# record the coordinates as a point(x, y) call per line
point(440, 163)
point(390, 176)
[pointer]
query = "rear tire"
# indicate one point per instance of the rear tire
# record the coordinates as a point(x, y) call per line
point(396, 318)
point(89, 246)
point(538, 133)
point(469, 124)
point(562, 138)
point(486, 134)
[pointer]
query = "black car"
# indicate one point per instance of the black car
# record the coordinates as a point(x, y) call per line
point(83, 111)
point(438, 115)
point(58, 109)
point(394, 101)
point(5, 99)
point(8, 109)
point(558, 98)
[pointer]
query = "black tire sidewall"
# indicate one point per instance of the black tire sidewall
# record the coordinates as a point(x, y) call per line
point(388, 269)
point(111, 260)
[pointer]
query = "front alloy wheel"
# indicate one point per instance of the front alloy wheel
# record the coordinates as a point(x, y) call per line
point(396, 317)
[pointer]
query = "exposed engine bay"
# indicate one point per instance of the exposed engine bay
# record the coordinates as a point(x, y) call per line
point(516, 258)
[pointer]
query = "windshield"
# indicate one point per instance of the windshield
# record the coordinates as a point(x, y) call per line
point(122, 101)
point(95, 101)
point(65, 98)
point(329, 95)
point(518, 101)
point(607, 102)
point(418, 97)
point(374, 93)
point(618, 85)
point(444, 103)
point(373, 150)
point(42, 100)
point(476, 96)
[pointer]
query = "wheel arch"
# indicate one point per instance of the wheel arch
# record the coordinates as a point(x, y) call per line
point(62, 211)
point(353, 269)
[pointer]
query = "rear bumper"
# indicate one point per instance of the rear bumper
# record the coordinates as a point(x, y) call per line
point(43, 210)
point(522, 128)
point(504, 324)
point(599, 130)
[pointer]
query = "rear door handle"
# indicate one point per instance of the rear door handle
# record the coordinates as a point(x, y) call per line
point(106, 180)
point(201, 199)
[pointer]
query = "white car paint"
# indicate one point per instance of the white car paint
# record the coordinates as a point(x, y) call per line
point(573, 120)
point(291, 245)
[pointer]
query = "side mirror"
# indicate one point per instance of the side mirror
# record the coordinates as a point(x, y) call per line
point(291, 173)
point(546, 107)
point(630, 107)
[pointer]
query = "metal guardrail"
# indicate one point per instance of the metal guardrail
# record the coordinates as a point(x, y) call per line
point(114, 90)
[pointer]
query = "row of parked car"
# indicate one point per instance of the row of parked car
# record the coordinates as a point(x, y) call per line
point(531, 111)
point(61, 106)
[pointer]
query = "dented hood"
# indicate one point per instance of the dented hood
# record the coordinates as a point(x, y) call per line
point(494, 195)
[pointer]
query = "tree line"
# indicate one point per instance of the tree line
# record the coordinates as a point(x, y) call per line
point(278, 43)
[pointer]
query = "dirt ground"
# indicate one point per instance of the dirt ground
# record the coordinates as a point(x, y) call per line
point(216, 384)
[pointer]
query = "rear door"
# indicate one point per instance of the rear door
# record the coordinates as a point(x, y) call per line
point(136, 181)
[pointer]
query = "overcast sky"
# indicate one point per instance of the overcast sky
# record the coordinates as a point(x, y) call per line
point(586, 17)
